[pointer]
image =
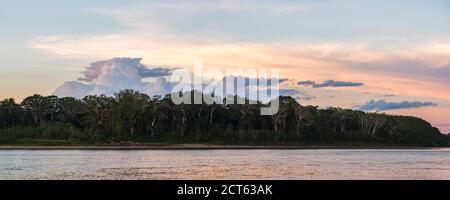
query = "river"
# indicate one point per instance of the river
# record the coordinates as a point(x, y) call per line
point(226, 164)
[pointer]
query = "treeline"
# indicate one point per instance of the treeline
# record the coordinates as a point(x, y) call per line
point(131, 117)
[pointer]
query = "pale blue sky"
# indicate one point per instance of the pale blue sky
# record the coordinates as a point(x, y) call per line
point(322, 20)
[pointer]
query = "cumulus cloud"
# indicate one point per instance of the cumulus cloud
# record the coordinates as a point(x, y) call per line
point(246, 86)
point(330, 83)
point(159, 31)
point(93, 71)
point(110, 76)
point(382, 105)
point(73, 89)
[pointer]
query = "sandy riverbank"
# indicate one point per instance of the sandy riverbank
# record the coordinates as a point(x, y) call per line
point(189, 147)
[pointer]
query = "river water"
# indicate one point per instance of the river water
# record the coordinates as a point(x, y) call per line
point(226, 164)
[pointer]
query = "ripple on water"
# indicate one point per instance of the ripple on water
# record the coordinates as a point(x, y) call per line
point(226, 164)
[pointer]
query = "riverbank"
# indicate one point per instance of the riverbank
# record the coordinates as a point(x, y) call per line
point(190, 147)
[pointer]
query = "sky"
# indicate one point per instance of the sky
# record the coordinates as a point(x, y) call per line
point(374, 55)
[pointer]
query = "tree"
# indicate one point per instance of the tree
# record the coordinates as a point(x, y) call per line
point(286, 105)
point(152, 114)
point(51, 107)
point(101, 113)
point(35, 106)
point(10, 113)
point(343, 116)
point(371, 123)
point(300, 117)
point(131, 106)
point(130, 115)
point(71, 110)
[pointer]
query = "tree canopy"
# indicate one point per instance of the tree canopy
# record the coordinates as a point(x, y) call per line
point(134, 117)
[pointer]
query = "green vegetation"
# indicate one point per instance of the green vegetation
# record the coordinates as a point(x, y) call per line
point(132, 117)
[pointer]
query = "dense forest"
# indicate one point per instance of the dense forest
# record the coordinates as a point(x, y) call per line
point(134, 118)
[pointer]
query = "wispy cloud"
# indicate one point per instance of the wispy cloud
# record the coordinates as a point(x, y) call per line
point(306, 83)
point(383, 105)
point(295, 60)
point(305, 97)
point(297, 94)
point(330, 83)
point(288, 92)
point(329, 43)
point(205, 6)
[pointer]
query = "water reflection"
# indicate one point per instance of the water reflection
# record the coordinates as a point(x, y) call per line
point(225, 164)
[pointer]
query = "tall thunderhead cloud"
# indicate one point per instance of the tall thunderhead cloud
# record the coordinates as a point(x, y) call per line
point(110, 76)
point(94, 70)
